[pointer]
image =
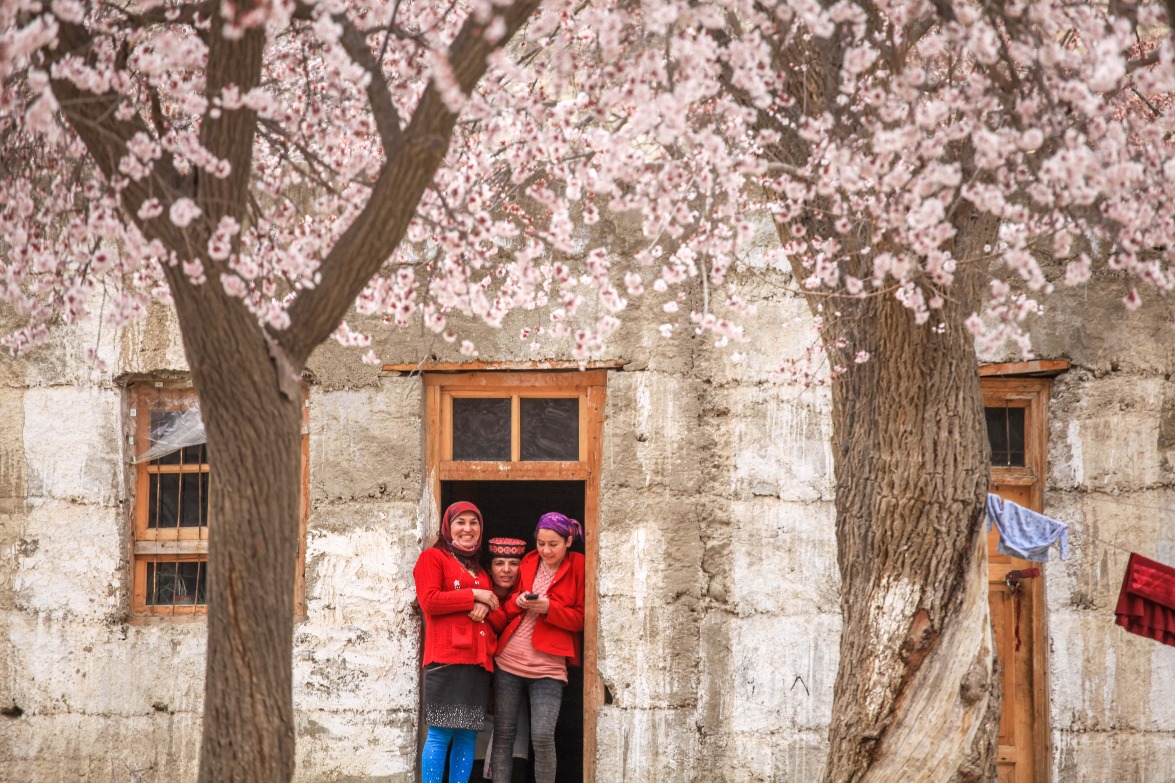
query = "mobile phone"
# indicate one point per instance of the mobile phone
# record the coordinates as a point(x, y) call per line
point(531, 596)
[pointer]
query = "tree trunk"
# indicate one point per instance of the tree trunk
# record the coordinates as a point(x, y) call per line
point(251, 405)
point(248, 378)
point(917, 693)
point(916, 696)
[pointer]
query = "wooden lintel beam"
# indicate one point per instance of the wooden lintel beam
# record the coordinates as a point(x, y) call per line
point(483, 366)
point(1038, 367)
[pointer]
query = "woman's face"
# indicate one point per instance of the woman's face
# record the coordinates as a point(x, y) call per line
point(552, 547)
point(465, 528)
point(504, 571)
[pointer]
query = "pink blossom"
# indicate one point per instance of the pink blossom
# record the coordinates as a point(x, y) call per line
point(597, 137)
point(151, 208)
point(183, 211)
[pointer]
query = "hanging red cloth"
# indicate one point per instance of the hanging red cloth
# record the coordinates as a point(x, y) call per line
point(1146, 605)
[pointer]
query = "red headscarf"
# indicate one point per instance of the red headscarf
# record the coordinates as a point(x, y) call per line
point(445, 539)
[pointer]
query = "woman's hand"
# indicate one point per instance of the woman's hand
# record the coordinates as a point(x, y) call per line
point(478, 612)
point(542, 604)
point(486, 598)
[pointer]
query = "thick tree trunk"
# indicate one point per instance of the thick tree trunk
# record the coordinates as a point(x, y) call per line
point(248, 703)
point(916, 695)
point(251, 401)
point(916, 671)
point(251, 406)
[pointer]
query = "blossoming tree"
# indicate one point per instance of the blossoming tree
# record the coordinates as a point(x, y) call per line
point(267, 166)
point(930, 164)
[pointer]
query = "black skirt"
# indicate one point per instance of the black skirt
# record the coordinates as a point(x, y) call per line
point(455, 695)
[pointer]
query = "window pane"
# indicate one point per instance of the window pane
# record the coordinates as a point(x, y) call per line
point(165, 494)
point(178, 500)
point(193, 455)
point(550, 429)
point(162, 421)
point(193, 499)
point(1005, 432)
point(481, 429)
point(162, 425)
point(177, 584)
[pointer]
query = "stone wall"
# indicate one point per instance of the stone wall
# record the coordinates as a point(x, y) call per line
point(1111, 478)
point(718, 591)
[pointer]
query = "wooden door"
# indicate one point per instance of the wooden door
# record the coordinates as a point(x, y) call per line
point(1018, 430)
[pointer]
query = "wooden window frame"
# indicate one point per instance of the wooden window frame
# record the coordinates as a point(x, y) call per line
point(187, 544)
point(442, 388)
point(587, 385)
point(1031, 393)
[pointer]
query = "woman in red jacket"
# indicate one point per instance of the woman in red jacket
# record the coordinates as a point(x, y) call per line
point(541, 625)
point(456, 595)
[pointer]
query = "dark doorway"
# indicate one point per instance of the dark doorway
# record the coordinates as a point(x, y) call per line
point(512, 509)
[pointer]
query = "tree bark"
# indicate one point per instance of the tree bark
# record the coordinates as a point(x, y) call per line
point(248, 701)
point(252, 414)
point(916, 695)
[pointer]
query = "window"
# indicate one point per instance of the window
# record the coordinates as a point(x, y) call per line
point(1005, 433)
point(173, 484)
point(1017, 432)
point(521, 427)
point(536, 421)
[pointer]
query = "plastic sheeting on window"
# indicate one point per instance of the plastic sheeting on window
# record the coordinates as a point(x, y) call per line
point(174, 431)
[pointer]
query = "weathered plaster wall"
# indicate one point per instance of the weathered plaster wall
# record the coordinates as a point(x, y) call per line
point(101, 700)
point(727, 566)
point(104, 699)
point(356, 655)
point(1112, 478)
point(718, 587)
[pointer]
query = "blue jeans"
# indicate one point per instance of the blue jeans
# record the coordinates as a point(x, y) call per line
point(436, 747)
point(546, 694)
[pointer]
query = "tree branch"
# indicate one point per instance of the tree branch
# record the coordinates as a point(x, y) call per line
point(383, 110)
point(186, 14)
point(229, 133)
point(409, 170)
point(93, 117)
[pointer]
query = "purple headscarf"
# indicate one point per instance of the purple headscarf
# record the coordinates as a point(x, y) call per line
point(564, 526)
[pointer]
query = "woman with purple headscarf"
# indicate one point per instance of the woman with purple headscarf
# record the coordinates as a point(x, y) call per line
point(540, 626)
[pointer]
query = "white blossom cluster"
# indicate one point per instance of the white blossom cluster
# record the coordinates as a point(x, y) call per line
point(863, 129)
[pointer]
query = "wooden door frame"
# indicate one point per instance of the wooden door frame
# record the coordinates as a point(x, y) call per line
point(590, 386)
point(999, 384)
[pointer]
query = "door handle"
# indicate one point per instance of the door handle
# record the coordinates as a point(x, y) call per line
point(1014, 581)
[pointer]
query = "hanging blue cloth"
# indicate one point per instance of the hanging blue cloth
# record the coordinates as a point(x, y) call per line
point(1024, 533)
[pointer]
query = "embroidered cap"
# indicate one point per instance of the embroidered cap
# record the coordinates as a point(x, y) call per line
point(507, 547)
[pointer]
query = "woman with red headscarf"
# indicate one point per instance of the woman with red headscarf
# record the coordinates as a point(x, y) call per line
point(455, 594)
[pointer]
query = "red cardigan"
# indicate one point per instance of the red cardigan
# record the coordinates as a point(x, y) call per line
point(444, 590)
point(560, 631)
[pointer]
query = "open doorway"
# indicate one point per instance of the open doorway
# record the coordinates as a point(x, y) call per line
point(511, 509)
point(520, 444)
